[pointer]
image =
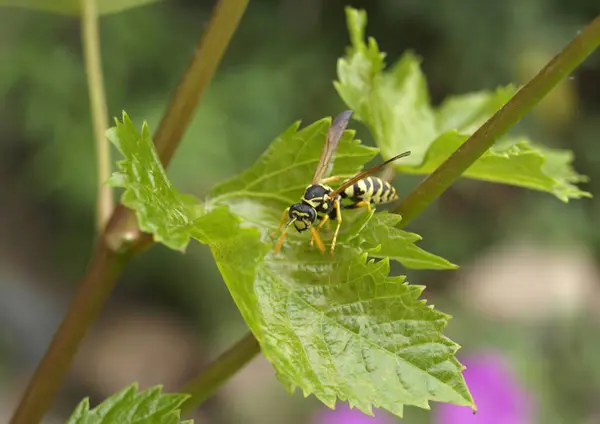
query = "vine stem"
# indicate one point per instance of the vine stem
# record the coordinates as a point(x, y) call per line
point(219, 371)
point(524, 100)
point(95, 81)
point(119, 241)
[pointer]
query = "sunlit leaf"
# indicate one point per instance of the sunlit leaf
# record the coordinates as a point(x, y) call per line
point(282, 173)
point(394, 105)
point(513, 161)
point(343, 328)
point(132, 407)
point(74, 7)
point(383, 240)
point(336, 327)
point(467, 112)
point(161, 210)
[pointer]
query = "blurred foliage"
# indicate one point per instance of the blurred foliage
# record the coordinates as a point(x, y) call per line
point(280, 69)
point(74, 7)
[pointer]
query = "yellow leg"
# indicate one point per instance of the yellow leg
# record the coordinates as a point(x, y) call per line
point(336, 205)
point(363, 203)
point(323, 221)
point(283, 217)
point(317, 238)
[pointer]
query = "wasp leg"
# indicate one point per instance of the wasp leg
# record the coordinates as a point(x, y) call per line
point(312, 239)
point(283, 217)
point(315, 236)
point(361, 204)
point(323, 221)
point(338, 211)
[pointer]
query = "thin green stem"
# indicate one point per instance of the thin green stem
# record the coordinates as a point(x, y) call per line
point(526, 98)
point(95, 81)
point(121, 239)
point(219, 371)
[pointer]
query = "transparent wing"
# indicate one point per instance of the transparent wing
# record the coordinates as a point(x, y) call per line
point(366, 173)
point(334, 135)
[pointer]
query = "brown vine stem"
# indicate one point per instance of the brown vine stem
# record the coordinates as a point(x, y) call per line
point(522, 102)
point(95, 81)
point(121, 240)
point(219, 371)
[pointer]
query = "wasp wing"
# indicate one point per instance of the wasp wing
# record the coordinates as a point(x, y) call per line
point(365, 174)
point(334, 134)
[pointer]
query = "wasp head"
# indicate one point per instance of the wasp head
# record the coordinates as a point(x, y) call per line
point(302, 215)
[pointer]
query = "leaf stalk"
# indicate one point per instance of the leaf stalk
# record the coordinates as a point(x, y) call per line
point(93, 66)
point(219, 371)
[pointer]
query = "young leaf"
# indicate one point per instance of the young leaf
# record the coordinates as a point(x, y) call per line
point(379, 98)
point(382, 239)
point(334, 327)
point(342, 328)
point(467, 112)
point(394, 104)
point(295, 154)
point(161, 210)
point(513, 161)
point(128, 407)
point(73, 7)
point(283, 172)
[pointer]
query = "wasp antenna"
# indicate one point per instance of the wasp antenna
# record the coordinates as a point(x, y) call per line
point(283, 216)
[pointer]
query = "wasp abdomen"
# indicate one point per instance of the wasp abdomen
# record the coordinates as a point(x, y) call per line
point(371, 189)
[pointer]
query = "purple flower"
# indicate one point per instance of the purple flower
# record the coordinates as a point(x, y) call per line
point(344, 415)
point(499, 397)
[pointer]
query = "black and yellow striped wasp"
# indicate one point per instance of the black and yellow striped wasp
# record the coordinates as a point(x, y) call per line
point(323, 202)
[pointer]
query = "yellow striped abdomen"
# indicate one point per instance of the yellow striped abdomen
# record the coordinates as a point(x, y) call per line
point(371, 189)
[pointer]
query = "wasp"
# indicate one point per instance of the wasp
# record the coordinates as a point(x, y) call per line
point(322, 202)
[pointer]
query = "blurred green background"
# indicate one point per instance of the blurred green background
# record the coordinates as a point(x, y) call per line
point(528, 286)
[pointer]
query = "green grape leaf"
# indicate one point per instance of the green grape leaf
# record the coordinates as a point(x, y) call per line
point(132, 407)
point(74, 7)
point(161, 210)
point(282, 173)
point(343, 328)
point(514, 161)
point(394, 105)
point(335, 327)
point(382, 239)
point(467, 112)
point(379, 98)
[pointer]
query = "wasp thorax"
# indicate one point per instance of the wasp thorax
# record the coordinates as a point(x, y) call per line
point(303, 215)
point(317, 195)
